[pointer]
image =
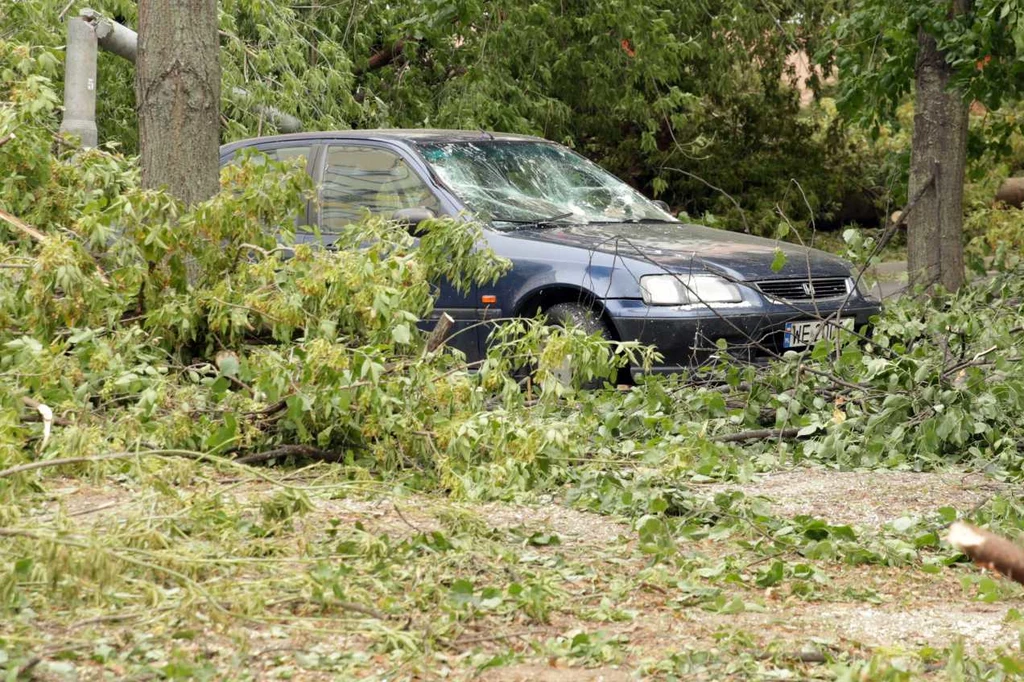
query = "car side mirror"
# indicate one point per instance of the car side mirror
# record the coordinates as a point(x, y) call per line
point(411, 218)
point(662, 205)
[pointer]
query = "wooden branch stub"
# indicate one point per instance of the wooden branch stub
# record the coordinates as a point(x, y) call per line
point(988, 550)
point(440, 332)
point(378, 60)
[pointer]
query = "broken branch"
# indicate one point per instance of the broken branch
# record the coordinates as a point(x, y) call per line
point(307, 451)
point(39, 237)
point(381, 59)
point(988, 550)
point(22, 226)
point(758, 434)
point(43, 464)
point(439, 333)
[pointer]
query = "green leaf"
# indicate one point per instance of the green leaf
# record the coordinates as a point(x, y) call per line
point(461, 592)
point(808, 430)
point(225, 434)
point(400, 334)
point(227, 363)
point(779, 261)
point(772, 576)
point(544, 539)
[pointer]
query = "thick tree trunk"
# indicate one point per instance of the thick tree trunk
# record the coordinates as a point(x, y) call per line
point(935, 252)
point(177, 84)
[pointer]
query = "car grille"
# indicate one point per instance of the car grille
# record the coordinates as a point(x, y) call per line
point(815, 289)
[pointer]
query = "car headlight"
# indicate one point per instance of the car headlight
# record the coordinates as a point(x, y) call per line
point(688, 289)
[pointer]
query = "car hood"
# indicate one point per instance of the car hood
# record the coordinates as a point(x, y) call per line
point(679, 247)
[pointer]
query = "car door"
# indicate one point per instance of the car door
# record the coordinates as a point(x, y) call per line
point(281, 150)
point(357, 177)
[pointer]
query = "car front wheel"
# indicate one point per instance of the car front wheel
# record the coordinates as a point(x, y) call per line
point(575, 314)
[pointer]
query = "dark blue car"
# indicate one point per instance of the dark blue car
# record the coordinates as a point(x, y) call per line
point(584, 245)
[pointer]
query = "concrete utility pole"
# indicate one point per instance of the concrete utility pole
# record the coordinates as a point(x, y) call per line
point(112, 36)
point(90, 31)
point(80, 82)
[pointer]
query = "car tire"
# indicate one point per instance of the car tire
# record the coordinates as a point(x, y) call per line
point(575, 314)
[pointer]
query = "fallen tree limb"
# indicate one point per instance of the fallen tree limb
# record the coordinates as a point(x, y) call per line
point(462, 641)
point(797, 656)
point(40, 238)
point(345, 605)
point(35, 405)
point(988, 550)
point(758, 434)
point(44, 464)
point(382, 58)
point(307, 451)
point(22, 226)
point(974, 362)
point(359, 608)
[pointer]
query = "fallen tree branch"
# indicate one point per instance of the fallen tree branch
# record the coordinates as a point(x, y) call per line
point(346, 605)
point(22, 226)
point(796, 656)
point(24, 672)
point(758, 434)
point(381, 59)
point(40, 238)
point(359, 608)
point(836, 380)
point(36, 405)
point(462, 641)
point(988, 550)
point(269, 411)
point(307, 451)
point(110, 618)
point(969, 363)
point(44, 464)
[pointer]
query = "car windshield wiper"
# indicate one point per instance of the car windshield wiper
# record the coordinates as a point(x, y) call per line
point(633, 221)
point(539, 223)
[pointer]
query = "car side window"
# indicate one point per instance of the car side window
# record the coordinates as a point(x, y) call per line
point(360, 179)
point(278, 153)
point(289, 153)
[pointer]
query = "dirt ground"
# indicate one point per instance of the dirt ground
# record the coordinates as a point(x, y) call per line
point(860, 609)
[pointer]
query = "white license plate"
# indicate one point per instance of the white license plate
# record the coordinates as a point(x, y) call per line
point(800, 334)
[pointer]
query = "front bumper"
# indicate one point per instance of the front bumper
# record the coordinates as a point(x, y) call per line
point(688, 336)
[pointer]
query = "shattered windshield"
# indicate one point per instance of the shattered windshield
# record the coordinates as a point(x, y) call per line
point(525, 182)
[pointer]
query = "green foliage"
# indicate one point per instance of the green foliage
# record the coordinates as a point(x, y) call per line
point(216, 335)
point(693, 103)
point(168, 344)
point(874, 51)
point(201, 329)
point(876, 47)
point(997, 232)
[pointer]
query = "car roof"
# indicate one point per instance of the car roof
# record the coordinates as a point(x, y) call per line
point(386, 135)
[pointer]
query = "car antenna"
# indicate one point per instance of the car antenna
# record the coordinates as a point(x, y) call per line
point(490, 136)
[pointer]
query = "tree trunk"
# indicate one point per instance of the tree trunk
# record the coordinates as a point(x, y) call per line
point(177, 84)
point(935, 253)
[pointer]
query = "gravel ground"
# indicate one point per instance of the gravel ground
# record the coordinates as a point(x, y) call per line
point(884, 609)
point(867, 498)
